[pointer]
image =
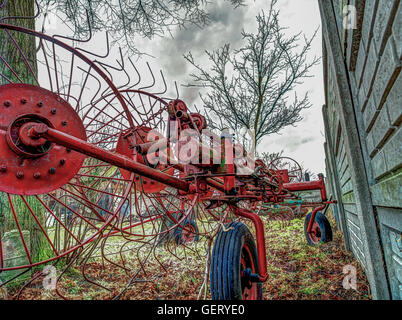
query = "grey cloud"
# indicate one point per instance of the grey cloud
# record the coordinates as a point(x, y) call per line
point(190, 95)
point(293, 142)
point(225, 27)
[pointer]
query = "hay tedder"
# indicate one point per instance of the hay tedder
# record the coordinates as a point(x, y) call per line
point(89, 167)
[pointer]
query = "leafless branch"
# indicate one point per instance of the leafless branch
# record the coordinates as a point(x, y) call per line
point(253, 88)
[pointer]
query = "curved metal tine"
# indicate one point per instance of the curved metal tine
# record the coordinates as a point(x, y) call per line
point(121, 67)
point(177, 93)
point(70, 78)
point(64, 89)
point(41, 45)
point(143, 104)
point(121, 250)
point(102, 111)
point(133, 104)
point(138, 74)
point(85, 261)
point(107, 236)
point(11, 69)
point(98, 55)
point(158, 259)
point(106, 65)
point(127, 75)
point(153, 79)
point(83, 85)
point(78, 40)
point(177, 90)
point(92, 103)
point(56, 61)
point(19, 228)
point(20, 17)
point(32, 279)
point(72, 97)
point(164, 83)
point(74, 258)
point(141, 268)
point(58, 70)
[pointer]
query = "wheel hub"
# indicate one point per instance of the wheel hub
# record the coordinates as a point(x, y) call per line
point(315, 233)
point(31, 166)
point(188, 234)
point(126, 146)
point(19, 140)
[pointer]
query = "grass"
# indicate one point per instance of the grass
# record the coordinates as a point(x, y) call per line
point(296, 271)
point(299, 271)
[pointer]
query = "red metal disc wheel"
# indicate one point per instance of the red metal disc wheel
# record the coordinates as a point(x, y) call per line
point(315, 233)
point(125, 145)
point(35, 168)
point(321, 231)
point(249, 289)
point(151, 202)
point(150, 114)
point(151, 198)
point(54, 201)
point(234, 265)
point(188, 234)
point(288, 168)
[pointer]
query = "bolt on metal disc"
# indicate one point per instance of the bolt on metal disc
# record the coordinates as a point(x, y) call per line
point(32, 167)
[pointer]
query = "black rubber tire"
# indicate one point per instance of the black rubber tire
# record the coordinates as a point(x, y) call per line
point(225, 274)
point(324, 225)
point(178, 232)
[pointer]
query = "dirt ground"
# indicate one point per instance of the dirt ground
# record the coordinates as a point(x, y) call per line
point(296, 271)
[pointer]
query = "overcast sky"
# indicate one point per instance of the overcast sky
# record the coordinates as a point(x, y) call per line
point(303, 142)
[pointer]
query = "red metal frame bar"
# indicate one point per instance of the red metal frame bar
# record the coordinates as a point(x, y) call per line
point(227, 184)
point(308, 185)
point(313, 214)
point(260, 234)
point(84, 147)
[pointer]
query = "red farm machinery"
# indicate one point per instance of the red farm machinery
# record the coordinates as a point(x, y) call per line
point(84, 161)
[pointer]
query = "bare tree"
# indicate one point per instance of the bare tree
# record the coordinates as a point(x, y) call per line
point(127, 19)
point(253, 88)
point(268, 157)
